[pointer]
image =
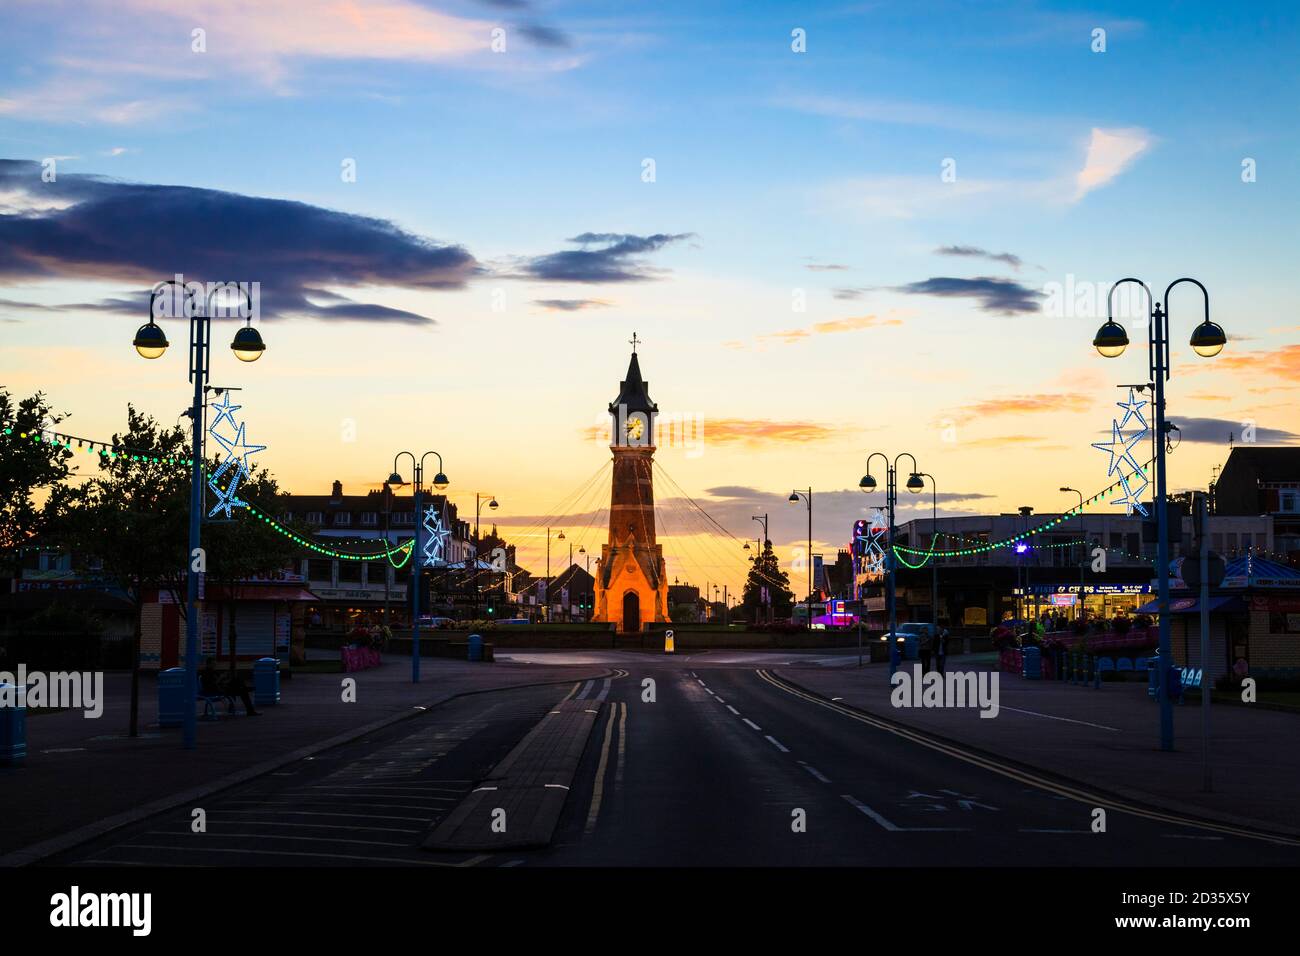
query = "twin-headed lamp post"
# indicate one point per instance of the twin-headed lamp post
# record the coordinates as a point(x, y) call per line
point(151, 343)
point(1207, 341)
point(914, 485)
point(440, 482)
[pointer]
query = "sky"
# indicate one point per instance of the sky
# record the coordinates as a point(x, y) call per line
point(836, 229)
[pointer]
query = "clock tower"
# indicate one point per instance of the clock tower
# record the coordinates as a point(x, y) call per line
point(631, 583)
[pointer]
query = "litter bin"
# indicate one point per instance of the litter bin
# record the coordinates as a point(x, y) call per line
point(171, 697)
point(13, 724)
point(1153, 677)
point(476, 647)
point(266, 681)
point(1031, 663)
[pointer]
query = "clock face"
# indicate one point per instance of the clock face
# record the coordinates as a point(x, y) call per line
point(635, 428)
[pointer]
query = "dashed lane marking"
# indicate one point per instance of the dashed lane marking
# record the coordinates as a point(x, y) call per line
point(893, 827)
point(751, 723)
point(814, 771)
point(777, 744)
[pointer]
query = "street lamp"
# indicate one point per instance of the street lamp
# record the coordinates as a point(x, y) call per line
point(440, 482)
point(794, 500)
point(934, 562)
point(546, 610)
point(1207, 341)
point(914, 484)
point(493, 504)
point(1083, 546)
point(151, 342)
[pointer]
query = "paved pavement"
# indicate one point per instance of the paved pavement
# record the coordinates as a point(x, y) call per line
point(80, 772)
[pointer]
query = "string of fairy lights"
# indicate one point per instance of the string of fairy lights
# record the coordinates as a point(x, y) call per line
point(113, 451)
point(400, 554)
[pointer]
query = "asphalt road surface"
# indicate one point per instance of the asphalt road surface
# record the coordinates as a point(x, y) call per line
point(725, 766)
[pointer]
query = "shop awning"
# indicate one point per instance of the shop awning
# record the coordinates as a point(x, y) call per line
point(1190, 605)
point(259, 592)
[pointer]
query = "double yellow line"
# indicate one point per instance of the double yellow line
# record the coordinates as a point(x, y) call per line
point(1024, 776)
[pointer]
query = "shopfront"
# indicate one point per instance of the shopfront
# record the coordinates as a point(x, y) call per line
point(1093, 601)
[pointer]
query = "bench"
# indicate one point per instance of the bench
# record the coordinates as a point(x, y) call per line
point(210, 702)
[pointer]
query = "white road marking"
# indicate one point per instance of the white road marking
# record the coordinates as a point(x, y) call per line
point(733, 710)
point(556, 786)
point(893, 827)
point(1068, 720)
point(598, 790)
point(776, 743)
point(815, 772)
point(751, 723)
point(604, 691)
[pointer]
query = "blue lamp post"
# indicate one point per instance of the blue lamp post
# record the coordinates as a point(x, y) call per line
point(150, 342)
point(439, 482)
point(914, 485)
point(1207, 341)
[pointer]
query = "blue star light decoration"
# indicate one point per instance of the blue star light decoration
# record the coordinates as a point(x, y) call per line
point(874, 542)
point(1120, 448)
point(236, 462)
point(436, 535)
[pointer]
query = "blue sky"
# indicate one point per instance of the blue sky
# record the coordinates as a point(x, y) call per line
point(780, 176)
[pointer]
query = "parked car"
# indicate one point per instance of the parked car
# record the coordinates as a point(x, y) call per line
point(513, 620)
point(434, 621)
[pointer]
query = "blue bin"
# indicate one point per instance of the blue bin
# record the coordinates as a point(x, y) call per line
point(266, 681)
point(1031, 666)
point(476, 647)
point(911, 646)
point(13, 725)
point(1153, 677)
point(172, 697)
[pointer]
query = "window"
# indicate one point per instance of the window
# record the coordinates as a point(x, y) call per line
point(314, 517)
point(1230, 539)
point(1288, 500)
point(1134, 543)
point(286, 517)
point(1246, 541)
point(370, 518)
point(403, 518)
point(342, 519)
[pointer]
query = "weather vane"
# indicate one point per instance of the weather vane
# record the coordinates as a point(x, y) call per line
point(634, 341)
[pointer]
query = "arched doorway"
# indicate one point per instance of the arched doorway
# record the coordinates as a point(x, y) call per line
point(631, 611)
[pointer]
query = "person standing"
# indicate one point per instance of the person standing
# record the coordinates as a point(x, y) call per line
point(941, 648)
point(924, 646)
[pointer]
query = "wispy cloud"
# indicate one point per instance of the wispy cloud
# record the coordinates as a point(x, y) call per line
point(603, 257)
point(830, 327)
point(1110, 152)
point(999, 296)
point(571, 305)
point(975, 252)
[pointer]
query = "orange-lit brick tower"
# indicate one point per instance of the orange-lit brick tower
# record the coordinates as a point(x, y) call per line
point(631, 587)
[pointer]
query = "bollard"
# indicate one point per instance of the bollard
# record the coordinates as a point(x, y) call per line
point(13, 724)
point(670, 645)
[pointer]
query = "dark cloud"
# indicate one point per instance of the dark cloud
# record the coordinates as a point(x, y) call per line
point(1215, 431)
point(1001, 296)
point(974, 252)
point(545, 36)
point(91, 227)
point(571, 305)
point(615, 258)
point(825, 267)
point(847, 294)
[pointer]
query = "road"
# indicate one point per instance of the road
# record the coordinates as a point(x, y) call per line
point(693, 761)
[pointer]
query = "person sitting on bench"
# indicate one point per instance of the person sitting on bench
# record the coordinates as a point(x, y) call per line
point(230, 685)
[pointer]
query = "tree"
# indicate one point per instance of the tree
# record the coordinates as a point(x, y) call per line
point(766, 572)
point(29, 463)
point(134, 518)
point(245, 547)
